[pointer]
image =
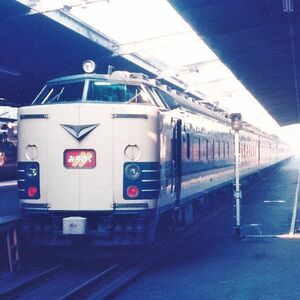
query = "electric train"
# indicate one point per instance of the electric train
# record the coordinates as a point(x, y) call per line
point(105, 160)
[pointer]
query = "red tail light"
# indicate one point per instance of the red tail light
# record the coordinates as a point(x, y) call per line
point(132, 191)
point(32, 191)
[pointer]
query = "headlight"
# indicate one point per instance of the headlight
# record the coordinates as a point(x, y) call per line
point(132, 171)
point(89, 66)
point(31, 172)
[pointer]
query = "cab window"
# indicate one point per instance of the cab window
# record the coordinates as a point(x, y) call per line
point(112, 92)
point(167, 99)
point(60, 93)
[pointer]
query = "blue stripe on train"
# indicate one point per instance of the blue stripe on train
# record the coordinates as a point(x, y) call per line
point(25, 181)
point(148, 182)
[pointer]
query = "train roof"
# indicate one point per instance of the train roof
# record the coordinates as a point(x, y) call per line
point(92, 76)
point(183, 100)
point(187, 101)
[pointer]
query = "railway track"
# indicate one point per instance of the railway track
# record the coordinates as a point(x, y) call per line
point(128, 271)
point(97, 280)
point(58, 282)
point(24, 283)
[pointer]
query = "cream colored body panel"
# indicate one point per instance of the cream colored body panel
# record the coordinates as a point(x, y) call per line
point(134, 131)
point(51, 140)
point(87, 189)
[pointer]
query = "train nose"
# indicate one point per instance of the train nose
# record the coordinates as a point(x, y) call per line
point(74, 155)
point(95, 166)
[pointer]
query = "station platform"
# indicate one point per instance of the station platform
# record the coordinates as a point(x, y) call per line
point(214, 265)
point(8, 172)
point(9, 222)
point(9, 203)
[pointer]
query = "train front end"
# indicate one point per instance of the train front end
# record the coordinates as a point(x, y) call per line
point(88, 170)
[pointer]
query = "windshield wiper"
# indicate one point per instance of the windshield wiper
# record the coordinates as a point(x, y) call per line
point(56, 97)
point(133, 98)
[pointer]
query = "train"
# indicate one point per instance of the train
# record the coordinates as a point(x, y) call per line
point(110, 159)
point(8, 149)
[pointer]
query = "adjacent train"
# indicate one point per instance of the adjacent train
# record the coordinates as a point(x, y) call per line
point(108, 159)
point(8, 150)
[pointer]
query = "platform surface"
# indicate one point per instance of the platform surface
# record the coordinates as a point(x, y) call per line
point(213, 265)
point(9, 203)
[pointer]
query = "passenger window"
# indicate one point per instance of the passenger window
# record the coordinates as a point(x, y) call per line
point(188, 146)
point(228, 150)
point(207, 149)
point(219, 149)
point(211, 150)
point(199, 150)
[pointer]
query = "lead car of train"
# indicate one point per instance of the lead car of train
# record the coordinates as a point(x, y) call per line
point(106, 159)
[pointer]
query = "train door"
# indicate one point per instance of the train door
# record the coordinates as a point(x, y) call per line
point(176, 161)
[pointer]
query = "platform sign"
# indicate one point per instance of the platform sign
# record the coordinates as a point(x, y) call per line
point(80, 158)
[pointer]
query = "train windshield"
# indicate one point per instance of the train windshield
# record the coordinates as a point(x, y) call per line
point(60, 93)
point(97, 91)
point(113, 92)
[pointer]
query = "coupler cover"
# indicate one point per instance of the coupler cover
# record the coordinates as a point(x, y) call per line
point(74, 225)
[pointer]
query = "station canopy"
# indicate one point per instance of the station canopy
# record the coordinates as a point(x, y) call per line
point(154, 36)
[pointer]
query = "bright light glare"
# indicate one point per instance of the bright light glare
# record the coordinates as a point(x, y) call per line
point(252, 111)
point(151, 28)
point(290, 134)
point(132, 20)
